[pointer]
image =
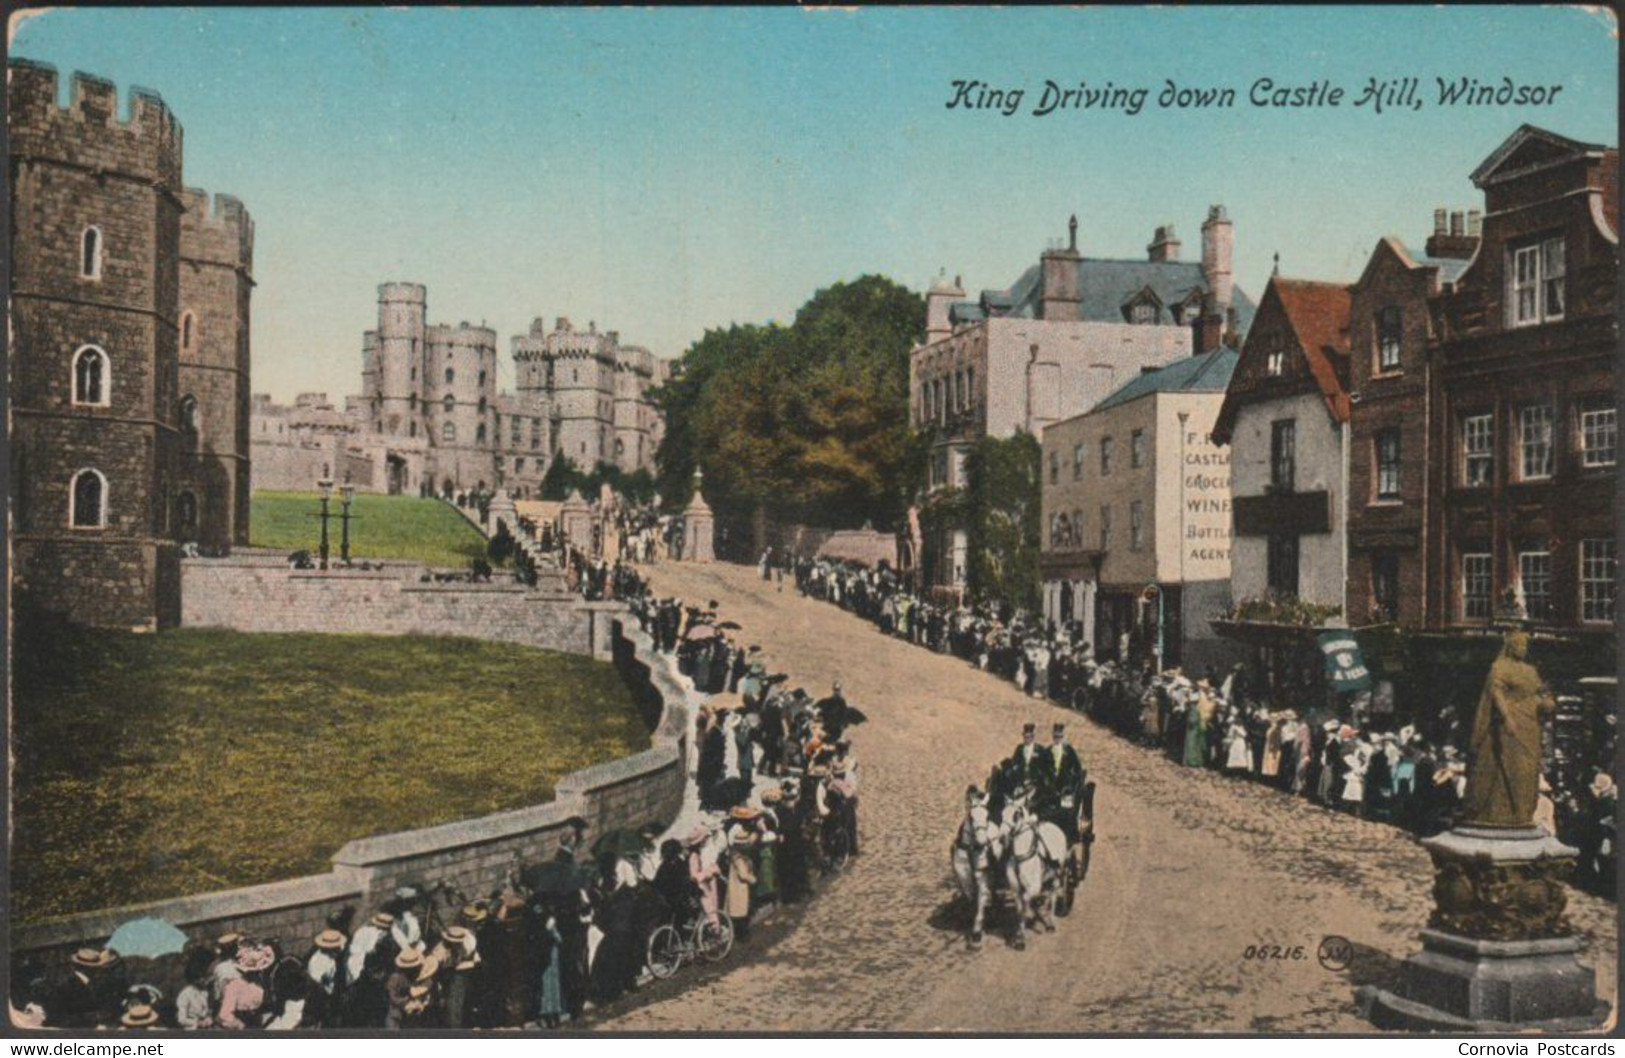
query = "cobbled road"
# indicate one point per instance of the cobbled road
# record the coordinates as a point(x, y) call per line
point(1190, 869)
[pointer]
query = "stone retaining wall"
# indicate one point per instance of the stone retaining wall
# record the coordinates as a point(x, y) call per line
point(257, 593)
point(472, 855)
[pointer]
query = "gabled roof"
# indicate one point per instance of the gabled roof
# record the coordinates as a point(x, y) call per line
point(1206, 373)
point(1526, 150)
point(1318, 316)
point(1449, 268)
point(1104, 287)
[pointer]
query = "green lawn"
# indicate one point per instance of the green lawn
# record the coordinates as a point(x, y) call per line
point(398, 527)
point(151, 766)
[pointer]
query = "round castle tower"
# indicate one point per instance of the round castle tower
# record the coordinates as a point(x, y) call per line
point(398, 365)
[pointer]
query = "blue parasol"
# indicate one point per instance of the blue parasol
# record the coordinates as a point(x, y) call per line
point(147, 938)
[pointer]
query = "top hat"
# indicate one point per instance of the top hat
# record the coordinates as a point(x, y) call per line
point(1059, 729)
point(1028, 729)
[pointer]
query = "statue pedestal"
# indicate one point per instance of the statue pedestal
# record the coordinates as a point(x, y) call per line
point(1498, 954)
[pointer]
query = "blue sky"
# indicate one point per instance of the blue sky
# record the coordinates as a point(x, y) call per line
point(662, 172)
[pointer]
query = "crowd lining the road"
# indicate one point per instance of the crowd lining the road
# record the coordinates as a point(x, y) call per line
point(1341, 759)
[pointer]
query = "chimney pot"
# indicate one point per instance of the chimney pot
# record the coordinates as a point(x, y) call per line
point(1475, 221)
point(1439, 222)
point(1456, 225)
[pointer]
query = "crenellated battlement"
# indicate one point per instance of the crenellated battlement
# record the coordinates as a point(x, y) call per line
point(146, 142)
point(217, 229)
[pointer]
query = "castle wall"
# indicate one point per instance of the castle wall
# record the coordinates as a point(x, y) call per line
point(79, 168)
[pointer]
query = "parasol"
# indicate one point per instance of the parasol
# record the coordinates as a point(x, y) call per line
point(730, 625)
point(623, 842)
point(147, 938)
point(554, 878)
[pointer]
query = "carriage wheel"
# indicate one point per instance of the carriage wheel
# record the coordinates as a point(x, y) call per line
point(837, 850)
point(714, 940)
point(665, 952)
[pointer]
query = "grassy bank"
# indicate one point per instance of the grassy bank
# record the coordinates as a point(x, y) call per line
point(393, 527)
point(155, 766)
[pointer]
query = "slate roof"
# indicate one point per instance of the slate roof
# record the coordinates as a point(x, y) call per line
point(1105, 286)
point(1449, 267)
point(1207, 373)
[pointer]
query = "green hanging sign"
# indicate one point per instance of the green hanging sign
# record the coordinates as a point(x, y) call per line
point(1346, 670)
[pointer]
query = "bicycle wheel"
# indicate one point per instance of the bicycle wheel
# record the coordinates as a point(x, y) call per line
point(665, 952)
point(838, 850)
point(714, 940)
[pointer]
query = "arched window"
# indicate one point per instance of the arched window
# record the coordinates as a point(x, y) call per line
point(91, 381)
point(479, 433)
point(90, 253)
point(186, 515)
point(482, 402)
point(188, 331)
point(412, 428)
point(189, 416)
point(448, 432)
point(482, 379)
point(450, 374)
point(448, 404)
point(87, 500)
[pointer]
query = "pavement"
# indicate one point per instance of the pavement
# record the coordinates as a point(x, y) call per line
point(1206, 902)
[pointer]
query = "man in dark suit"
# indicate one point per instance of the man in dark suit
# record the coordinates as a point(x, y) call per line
point(1027, 754)
point(1059, 782)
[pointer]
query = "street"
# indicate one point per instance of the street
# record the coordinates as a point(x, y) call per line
point(1192, 873)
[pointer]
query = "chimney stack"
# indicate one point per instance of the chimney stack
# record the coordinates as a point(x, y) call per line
point(1455, 234)
point(1062, 294)
point(1217, 240)
point(1164, 246)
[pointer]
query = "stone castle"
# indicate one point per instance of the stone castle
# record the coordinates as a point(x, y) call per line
point(429, 419)
point(129, 354)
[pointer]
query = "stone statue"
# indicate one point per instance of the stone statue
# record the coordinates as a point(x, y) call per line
point(1503, 777)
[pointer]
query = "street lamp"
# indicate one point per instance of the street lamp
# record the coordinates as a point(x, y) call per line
point(348, 491)
point(325, 485)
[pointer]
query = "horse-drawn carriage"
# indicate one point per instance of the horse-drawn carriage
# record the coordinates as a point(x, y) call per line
point(1031, 845)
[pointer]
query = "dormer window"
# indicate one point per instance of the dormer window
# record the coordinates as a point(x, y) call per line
point(1389, 330)
point(1536, 275)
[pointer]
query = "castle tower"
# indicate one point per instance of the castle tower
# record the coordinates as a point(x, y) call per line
point(634, 376)
point(938, 300)
point(95, 246)
point(216, 281)
point(581, 393)
point(397, 400)
point(461, 389)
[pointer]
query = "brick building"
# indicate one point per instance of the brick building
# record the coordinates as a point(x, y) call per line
point(129, 355)
point(1069, 331)
point(1390, 331)
point(1524, 434)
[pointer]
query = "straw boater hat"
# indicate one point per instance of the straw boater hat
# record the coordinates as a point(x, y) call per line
point(383, 920)
point(772, 794)
point(745, 812)
point(428, 968)
point(139, 1016)
point(410, 959)
point(330, 940)
point(94, 958)
point(742, 836)
point(474, 914)
point(228, 940)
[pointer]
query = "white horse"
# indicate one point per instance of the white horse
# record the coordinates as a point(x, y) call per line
point(1034, 853)
point(973, 856)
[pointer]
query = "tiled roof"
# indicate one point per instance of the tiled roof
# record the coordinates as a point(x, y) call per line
point(1319, 314)
point(1207, 373)
point(1105, 286)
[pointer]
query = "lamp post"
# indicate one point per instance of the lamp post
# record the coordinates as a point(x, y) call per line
point(348, 492)
point(326, 487)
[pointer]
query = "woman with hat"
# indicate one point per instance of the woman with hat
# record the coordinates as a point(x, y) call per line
point(408, 964)
point(365, 940)
point(194, 1007)
point(459, 952)
point(244, 996)
point(702, 870)
point(741, 874)
point(767, 847)
point(322, 968)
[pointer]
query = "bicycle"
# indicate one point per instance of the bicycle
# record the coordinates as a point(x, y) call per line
point(671, 946)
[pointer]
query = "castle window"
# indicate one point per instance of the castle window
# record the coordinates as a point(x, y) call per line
point(515, 424)
point(189, 415)
point(412, 428)
point(87, 500)
point(479, 434)
point(482, 379)
point(188, 331)
point(90, 253)
point(482, 401)
point(186, 514)
point(90, 377)
point(448, 404)
point(450, 374)
point(448, 432)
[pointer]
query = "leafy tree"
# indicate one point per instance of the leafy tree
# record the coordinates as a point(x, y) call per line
point(1003, 506)
point(561, 477)
point(803, 423)
point(501, 547)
